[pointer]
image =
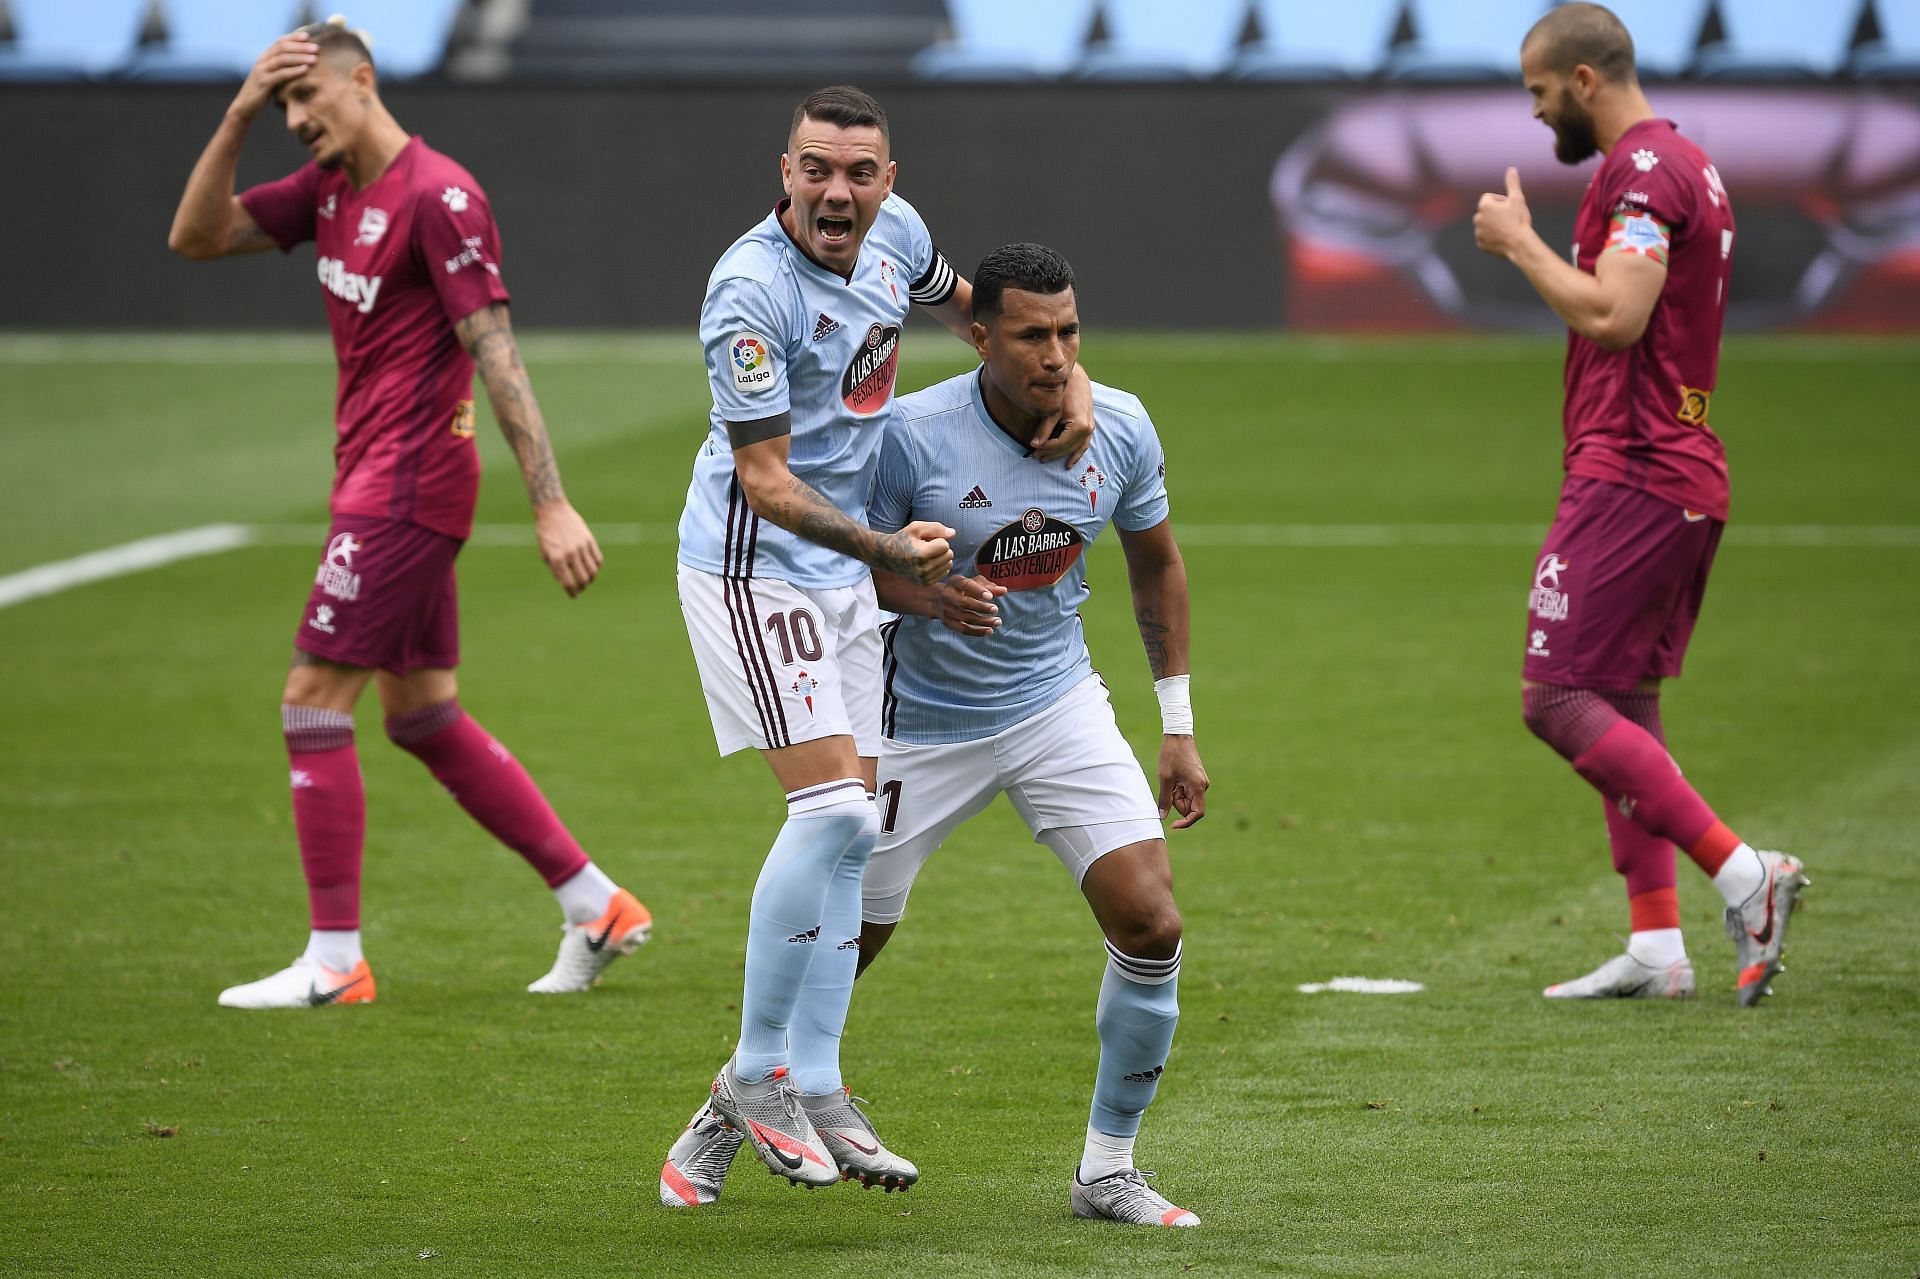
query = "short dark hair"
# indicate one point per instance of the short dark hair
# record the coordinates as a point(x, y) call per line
point(841, 105)
point(1576, 34)
point(338, 42)
point(1031, 268)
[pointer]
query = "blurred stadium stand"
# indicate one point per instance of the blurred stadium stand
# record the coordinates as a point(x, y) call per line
point(61, 39)
point(805, 38)
point(949, 40)
point(1152, 39)
point(1318, 41)
point(1008, 39)
point(215, 39)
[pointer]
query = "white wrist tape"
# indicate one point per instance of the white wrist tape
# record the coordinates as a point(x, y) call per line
point(1176, 705)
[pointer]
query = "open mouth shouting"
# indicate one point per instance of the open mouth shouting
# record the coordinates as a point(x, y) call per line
point(834, 232)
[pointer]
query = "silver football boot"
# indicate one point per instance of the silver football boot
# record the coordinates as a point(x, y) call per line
point(697, 1165)
point(856, 1148)
point(769, 1115)
point(1124, 1196)
point(1624, 977)
point(1758, 926)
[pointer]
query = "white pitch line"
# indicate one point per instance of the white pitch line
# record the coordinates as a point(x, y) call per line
point(1362, 986)
point(117, 561)
point(154, 552)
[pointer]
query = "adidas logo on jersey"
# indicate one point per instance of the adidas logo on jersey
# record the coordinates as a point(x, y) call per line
point(975, 499)
point(825, 326)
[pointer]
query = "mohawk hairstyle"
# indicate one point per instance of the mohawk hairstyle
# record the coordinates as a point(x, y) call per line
point(1030, 268)
point(844, 106)
point(1577, 34)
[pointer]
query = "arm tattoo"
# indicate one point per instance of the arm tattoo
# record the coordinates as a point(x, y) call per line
point(807, 512)
point(1153, 633)
point(248, 237)
point(488, 338)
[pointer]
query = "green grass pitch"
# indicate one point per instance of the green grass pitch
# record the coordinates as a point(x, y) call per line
point(1377, 810)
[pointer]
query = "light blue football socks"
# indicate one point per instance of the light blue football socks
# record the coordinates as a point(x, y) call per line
point(821, 1013)
point(1138, 1010)
point(784, 928)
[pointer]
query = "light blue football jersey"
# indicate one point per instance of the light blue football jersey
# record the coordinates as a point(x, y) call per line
point(1020, 522)
point(784, 335)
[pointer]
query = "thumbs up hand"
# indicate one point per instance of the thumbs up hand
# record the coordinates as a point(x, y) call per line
point(1502, 223)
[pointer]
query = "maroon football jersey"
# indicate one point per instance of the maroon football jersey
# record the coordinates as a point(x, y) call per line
point(1639, 417)
point(398, 264)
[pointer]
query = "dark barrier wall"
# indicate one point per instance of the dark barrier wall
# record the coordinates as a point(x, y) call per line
point(1189, 206)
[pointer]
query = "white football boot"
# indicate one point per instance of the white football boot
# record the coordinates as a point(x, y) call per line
point(587, 949)
point(1624, 977)
point(303, 984)
point(1758, 926)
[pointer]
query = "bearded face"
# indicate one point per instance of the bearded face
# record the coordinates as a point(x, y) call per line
point(1572, 125)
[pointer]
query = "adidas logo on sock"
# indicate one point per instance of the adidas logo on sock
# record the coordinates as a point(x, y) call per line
point(851, 943)
point(1144, 1076)
point(824, 326)
point(975, 499)
point(807, 938)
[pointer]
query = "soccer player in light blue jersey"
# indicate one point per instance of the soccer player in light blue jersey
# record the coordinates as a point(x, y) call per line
point(802, 328)
point(990, 689)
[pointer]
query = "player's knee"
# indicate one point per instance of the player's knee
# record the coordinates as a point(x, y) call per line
point(1567, 719)
point(1151, 930)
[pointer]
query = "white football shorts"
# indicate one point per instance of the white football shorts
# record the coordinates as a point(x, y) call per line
point(1069, 773)
point(783, 664)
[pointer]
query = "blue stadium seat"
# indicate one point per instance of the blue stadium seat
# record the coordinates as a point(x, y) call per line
point(1897, 53)
point(1782, 38)
point(1009, 39)
point(62, 39)
point(1458, 40)
point(1319, 41)
point(216, 39)
point(1666, 33)
point(410, 36)
point(1158, 40)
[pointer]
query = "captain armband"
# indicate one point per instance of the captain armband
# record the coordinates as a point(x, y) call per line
point(937, 285)
point(1176, 705)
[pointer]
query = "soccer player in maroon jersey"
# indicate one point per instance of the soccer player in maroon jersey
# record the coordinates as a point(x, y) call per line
point(409, 271)
point(1620, 578)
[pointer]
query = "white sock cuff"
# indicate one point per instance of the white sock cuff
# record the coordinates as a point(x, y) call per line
point(846, 796)
point(1145, 972)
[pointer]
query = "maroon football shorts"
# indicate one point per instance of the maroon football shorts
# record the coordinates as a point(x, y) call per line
point(1617, 587)
point(383, 596)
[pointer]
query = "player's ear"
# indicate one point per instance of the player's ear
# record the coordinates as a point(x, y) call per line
point(977, 332)
point(786, 172)
point(363, 79)
point(893, 171)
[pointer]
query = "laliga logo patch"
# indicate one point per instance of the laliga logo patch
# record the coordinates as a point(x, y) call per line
point(1034, 551)
point(373, 225)
point(867, 384)
point(1548, 601)
point(463, 419)
point(752, 358)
